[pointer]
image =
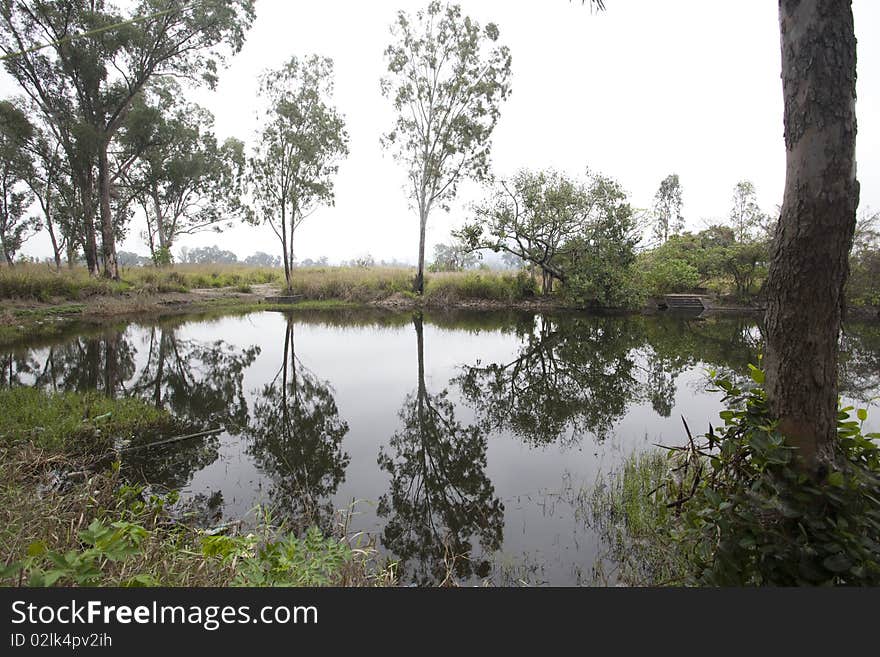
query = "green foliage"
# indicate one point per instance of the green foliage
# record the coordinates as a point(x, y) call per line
point(163, 256)
point(313, 560)
point(669, 275)
point(863, 285)
point(301, 142)
point(668, 220)
point(604, 282)
point(102, 542)
point(688, 261)
point(735, 508)
point(580, 232)
point(745, 263)
point(757, 518)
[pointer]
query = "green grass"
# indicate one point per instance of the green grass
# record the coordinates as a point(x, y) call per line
point(74, 422)
point(633, 523)
point(65, 520)
point(52, 311)
point(480, 285)
point(105, 532)
point(35, 283)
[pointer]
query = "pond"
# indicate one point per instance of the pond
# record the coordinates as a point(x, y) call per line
point(463, 442)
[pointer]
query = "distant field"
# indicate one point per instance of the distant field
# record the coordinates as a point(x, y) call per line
point(354, 284)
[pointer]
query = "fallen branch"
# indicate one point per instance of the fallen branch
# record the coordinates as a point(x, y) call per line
point(175, 439)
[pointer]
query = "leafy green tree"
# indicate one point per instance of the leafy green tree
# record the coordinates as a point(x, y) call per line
point(535, 216)
point(90, 83)
point(48, 179)
point(183, 179)
point(452, 257)
point(447, 82)
point(559, 224)
point(300, 144)
point(668, 219)
point(746, 217)
point(667, 275)
point(599, 265)
point(15, 171)
point(744, 262)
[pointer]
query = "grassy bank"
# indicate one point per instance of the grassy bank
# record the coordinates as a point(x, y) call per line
point(36, 283)
point(66, 521)
point(351, 284)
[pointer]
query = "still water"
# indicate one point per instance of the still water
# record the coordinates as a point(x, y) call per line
point(463, 442)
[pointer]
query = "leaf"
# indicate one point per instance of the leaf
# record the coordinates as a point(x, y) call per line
point(36, 549)
point(142, 580)
point(837, 563)
point(756, 374)
point(862, 414)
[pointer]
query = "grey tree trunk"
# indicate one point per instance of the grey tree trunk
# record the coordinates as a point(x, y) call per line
point(419, 285)
point(809, 261)
point(86, 192)
point(108, 238)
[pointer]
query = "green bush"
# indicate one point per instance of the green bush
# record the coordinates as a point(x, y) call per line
point(669, 275)
point(487, 286)
point(757, 518)
point(745, 512)
point(863, 286)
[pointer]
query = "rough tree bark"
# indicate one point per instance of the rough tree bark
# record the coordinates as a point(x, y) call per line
point(809, 262)
point(108, 238)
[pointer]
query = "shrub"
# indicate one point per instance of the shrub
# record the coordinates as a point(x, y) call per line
point(669, 275)
point(757, 518)
point(745, 512)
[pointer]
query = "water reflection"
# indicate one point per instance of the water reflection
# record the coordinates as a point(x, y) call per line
point(296, 438)
point(458, 443)
point(440, 499)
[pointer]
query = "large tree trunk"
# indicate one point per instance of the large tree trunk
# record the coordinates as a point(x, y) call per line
point(809, 263)
point(108, 238)
point(86, 192)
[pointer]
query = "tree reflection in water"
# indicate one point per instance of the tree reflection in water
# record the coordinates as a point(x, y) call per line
point(296, 438)
point(578, 375)
point(199, 382)
point(440, 499)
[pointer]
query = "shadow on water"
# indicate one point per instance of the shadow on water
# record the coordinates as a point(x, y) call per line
point(458, 442)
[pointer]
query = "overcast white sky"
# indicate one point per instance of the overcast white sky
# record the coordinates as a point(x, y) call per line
point(645, 89)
